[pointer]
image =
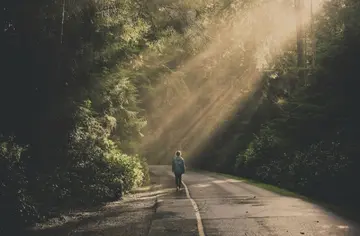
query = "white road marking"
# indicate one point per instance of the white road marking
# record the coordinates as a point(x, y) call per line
point(197, 213)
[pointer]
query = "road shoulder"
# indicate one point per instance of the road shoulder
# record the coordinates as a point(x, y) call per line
point(130, 216)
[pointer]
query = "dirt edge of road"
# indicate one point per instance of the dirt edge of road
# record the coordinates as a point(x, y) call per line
point(131, 215)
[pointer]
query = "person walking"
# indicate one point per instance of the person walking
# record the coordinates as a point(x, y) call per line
point(178, 168)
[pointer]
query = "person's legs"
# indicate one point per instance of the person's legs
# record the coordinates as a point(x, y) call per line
point(180, 180)
point(177, 180)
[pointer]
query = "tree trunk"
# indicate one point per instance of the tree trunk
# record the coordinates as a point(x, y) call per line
point(299, 6)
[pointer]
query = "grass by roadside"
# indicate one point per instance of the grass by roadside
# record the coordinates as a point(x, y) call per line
point(348, 213)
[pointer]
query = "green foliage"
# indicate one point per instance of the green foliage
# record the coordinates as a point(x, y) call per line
point(16, 204)
point(130, 170)
point(265, 145)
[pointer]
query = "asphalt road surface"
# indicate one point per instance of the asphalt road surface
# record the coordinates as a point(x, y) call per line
point(215, 205)
point(209, 205)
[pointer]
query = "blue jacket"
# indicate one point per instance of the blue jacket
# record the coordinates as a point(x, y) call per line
point(178, 165)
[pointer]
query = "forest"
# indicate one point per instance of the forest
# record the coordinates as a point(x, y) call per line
point(93, 91)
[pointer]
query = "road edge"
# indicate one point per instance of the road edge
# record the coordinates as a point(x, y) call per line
point(200, 225)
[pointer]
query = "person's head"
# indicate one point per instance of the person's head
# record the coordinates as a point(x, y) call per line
point(178, 153)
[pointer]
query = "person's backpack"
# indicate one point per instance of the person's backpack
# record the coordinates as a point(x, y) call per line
point(179, 165)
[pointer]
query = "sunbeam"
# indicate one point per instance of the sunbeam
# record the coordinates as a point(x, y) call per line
point(206, 89)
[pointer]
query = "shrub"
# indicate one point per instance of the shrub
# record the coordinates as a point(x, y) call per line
point(15, 203)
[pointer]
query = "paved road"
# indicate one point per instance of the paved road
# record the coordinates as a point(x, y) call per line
point(230, 207)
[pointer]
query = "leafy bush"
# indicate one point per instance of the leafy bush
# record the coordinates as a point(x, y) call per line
point(15, 203)
point(92, 170)
point(105, 172)
point(319, 169)
point(262, 150)
point(127, 170)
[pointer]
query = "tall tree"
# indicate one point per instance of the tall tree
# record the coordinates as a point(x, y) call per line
point(299, 8)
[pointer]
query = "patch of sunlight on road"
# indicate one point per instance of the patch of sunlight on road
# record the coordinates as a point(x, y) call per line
point(343, 226)
point(200, 185)
point(227, 181)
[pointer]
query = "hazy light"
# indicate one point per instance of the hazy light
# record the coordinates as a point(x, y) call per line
point(222, 77)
